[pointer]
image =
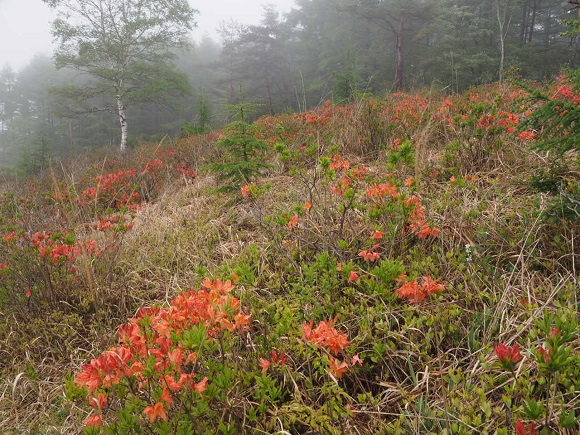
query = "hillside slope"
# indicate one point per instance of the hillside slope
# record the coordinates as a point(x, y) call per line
point(392, 267)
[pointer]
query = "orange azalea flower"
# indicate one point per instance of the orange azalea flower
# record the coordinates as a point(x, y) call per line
point(9, 237)
point(264, 364)
point(369, 256)
point(527, 135)
point(242, 320)
point(191, 358)
point(94, 420)
point(415, 292)
point(546, 354)
point(307, 206)
point(293, 222)
point(172, 384)
point(378, 191)
point(356, 360)
point(377, 235)
point(201, 386)
point(337, 367)
point(338, 163)
point(166, 397)
point(98, 402)
point(104, 370)
point(218, 286)
point(325, 335)
point(353, 276)
point(176, 356)
point(156, 411)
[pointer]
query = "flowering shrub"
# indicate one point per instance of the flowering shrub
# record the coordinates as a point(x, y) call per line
point(154, 371)
point(417, 290)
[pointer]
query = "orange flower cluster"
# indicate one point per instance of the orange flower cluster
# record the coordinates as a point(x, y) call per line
point(325, 335)
point(114, 224)
point(408, 109)
point(416, 291)
point(114, 189)
point(187, 172)
point(486, 122)
point(9, 237)
point(318, 118)
point(112, 181)
point(347, 176)
point(292, 222)
point(338, 164)
point(370, 255)
point(275, 359)
point(564, 91)
point(153, 336)
point(507, 120)
point(527, 135)
point(417, 222)
point(153, 167)
point(57, 249)
point(378, 191)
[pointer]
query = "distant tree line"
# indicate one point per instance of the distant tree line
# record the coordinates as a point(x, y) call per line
point(321, 49)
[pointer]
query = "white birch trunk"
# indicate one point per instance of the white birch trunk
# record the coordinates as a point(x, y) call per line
point(123, 122)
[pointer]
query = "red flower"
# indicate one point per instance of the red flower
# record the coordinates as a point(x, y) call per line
point(546, 354)
point(264, 364)
point(245, 191)
point(279, 359)
point(508, 356)
point(521, 429)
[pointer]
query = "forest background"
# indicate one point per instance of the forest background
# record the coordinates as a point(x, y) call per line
point(321, 50)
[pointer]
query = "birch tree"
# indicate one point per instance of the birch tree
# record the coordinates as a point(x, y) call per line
point(125, 47)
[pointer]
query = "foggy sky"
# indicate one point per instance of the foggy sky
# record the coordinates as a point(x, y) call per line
point(25, 24)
